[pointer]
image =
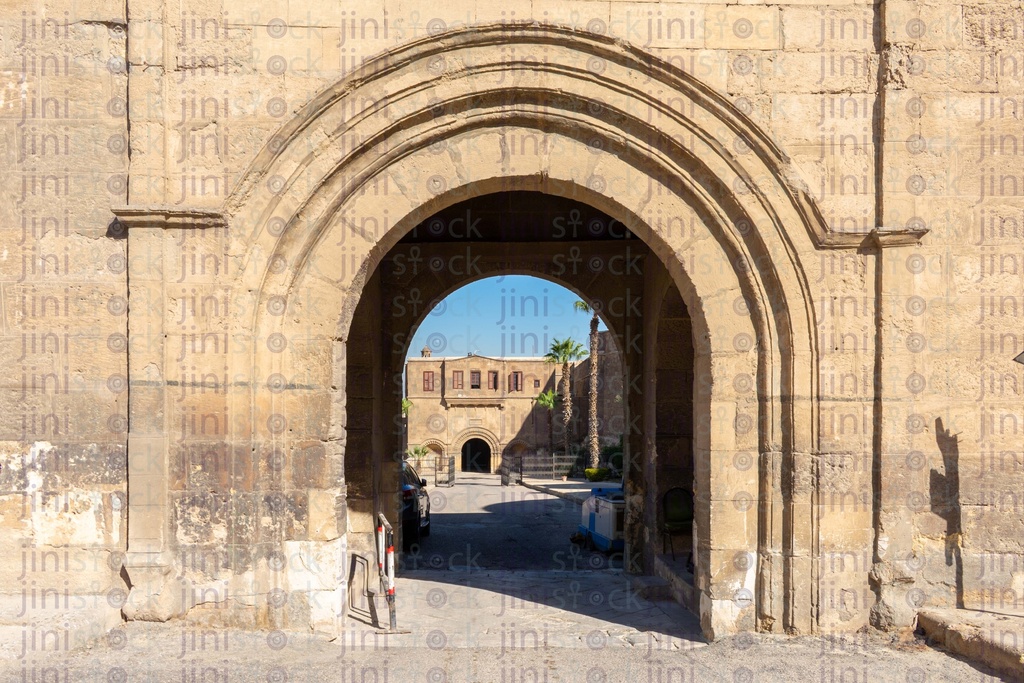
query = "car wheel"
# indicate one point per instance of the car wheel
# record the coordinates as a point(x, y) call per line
point(410, 535)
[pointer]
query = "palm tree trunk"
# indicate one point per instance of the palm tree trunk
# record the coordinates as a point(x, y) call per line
point(595, 446)
point(566, 407)
point(551, 435)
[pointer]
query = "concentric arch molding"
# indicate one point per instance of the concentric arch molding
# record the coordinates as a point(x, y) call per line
point(663, 76)
point(447, 87)
point(601, 48)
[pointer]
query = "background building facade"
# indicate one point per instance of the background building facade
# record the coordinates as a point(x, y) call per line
point(481, 410)
point(492, 402)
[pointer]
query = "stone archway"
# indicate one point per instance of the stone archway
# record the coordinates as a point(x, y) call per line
point(435, 447)
point(486, 444)
point(476, 456)
point(428, 462)
point(312, 219)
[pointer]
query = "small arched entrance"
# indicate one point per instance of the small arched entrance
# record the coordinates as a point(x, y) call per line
point(476, 456)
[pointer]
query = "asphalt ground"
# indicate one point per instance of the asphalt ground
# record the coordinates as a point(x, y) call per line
point(480, 524)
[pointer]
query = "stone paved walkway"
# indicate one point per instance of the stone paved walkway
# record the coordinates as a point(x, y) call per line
point(523, 609)
point(584, 621)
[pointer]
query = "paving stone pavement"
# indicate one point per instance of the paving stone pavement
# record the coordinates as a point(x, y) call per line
point(502, 626)
point(172, 653)
point(495, 623)
point(531, 609)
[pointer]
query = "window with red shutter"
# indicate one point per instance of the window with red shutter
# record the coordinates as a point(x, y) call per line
point(428, 381)
point(474, 379)
point(492, 380)
point(457, 379)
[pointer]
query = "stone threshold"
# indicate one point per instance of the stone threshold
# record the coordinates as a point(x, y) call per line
point(680, 581)
point(989, 638)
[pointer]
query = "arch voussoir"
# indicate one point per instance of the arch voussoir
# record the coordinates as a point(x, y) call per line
point(338, 186)
point(631, 169)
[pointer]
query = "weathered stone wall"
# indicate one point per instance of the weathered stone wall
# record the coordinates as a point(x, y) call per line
point(64, 340)
point(951, 516)
point(898, 115)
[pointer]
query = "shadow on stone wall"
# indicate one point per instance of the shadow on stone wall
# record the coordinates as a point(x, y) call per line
point(944, 493)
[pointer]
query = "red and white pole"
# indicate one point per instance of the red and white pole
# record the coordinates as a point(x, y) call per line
point(386, 554)
point(391, 581)
point(380, 549)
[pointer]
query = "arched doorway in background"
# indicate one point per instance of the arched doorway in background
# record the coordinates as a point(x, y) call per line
point(476, 456)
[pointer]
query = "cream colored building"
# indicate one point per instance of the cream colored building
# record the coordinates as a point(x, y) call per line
point(478, 409)
point(484, 411)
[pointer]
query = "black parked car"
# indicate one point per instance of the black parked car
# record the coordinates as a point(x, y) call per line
point(415, 506)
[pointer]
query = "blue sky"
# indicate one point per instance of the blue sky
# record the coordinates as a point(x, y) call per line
point(512, 315)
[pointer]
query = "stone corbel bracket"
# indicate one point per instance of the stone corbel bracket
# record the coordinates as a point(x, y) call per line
point(168, 217)
point(896, 237)
point(877, 238)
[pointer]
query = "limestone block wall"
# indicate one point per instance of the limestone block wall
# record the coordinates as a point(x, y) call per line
point(63, 270)
point(900, 115)
point(221, 78)
point(951, 517)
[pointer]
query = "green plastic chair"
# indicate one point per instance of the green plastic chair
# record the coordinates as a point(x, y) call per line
point(677, 515)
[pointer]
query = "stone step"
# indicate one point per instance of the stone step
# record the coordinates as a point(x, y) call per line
point(984, 637)
point(651, 587)
point(679, 580)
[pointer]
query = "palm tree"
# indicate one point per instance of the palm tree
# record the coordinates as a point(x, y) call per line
point(406, 405)
point(549, 399)
point(417, 454)
point(565, 351)
point(592, 440)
